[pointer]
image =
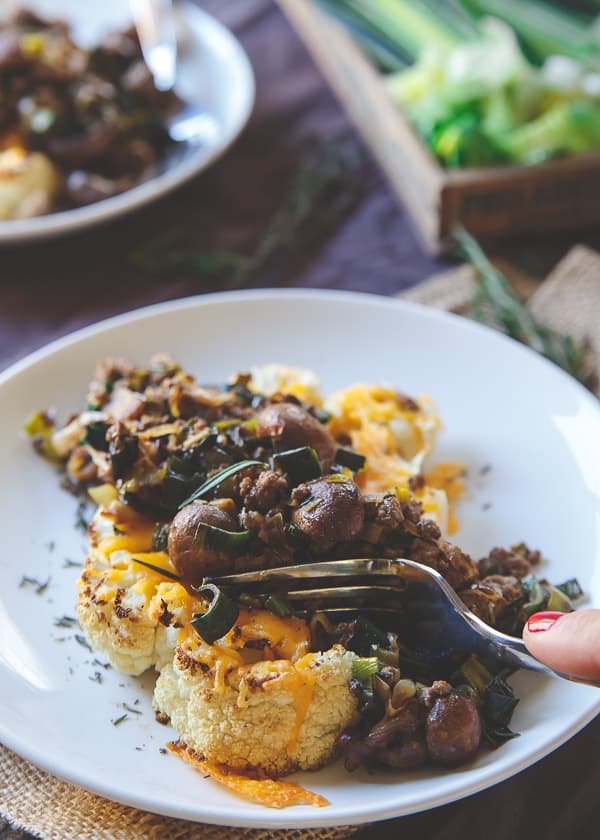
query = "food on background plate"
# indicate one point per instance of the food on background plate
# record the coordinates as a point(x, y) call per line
point(195, 480)
point(76, 125)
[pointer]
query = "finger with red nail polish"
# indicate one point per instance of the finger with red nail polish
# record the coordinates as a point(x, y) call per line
point(539, 622)
point(566, 642)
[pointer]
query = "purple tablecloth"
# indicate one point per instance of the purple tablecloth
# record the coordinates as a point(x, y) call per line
point(47, 290)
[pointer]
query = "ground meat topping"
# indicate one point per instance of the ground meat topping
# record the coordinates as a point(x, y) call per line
point(491, 597)
point(385, 511)
point(267, 491)
point(517, 562)
point(452, 563)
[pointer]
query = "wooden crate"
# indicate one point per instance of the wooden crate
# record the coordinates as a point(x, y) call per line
point(497, 201)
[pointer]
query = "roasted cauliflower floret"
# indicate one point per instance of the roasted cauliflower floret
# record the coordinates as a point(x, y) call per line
point(272, 378)
point(127, 624)
point(29, 182)
point(272, 716)
point(128, 612)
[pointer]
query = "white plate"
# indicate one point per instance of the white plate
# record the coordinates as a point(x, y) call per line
point(502, 406)
point(213, 72)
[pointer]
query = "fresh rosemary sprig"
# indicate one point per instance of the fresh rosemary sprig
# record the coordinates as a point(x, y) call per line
point(324, 189)
point(495, 302)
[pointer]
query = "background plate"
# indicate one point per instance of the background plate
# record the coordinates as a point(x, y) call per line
point(527, 432)
point(213, 72)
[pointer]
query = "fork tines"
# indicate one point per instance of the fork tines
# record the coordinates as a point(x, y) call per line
point(340, 584)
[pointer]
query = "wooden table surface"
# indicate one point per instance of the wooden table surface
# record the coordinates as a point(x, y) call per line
point(48, 290)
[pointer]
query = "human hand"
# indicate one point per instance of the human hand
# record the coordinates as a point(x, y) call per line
point(567, 642)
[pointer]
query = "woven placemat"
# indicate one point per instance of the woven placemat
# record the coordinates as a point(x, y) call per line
point(52, 809)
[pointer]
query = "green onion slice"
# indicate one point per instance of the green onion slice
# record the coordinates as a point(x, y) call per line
point(322, 415)
point(39, 427)
point(95, 436)
point(349, 458)
point(39, 423)
point(209, 536)
point(278, 606)
point(221, 425)
point(476, 674)
point(364, 668)
point(220, 617)
point(300, 464)
point(216, 480)
point(558, 601)
point(537, 596)
point(385, 656)
point(571, 588)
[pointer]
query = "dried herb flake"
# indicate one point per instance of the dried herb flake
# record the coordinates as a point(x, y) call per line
point(65, 621)
point(39, 586)
point(81, 640)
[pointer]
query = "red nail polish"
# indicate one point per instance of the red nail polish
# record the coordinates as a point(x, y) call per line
point(541, 621)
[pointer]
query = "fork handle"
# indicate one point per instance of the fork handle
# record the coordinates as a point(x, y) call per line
point(513, 651)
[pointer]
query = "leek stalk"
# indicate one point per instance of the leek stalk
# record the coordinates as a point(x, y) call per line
point(544, 28)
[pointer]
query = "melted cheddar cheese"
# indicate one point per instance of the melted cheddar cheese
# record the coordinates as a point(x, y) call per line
point(298, 679)
point(273, 793)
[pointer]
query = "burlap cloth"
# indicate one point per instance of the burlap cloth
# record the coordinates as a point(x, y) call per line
point(47, 807)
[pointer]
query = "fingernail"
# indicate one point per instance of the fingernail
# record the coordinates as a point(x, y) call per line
point(541, 621)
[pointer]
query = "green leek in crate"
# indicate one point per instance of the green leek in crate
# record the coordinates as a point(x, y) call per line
point(472, 93)
point(403, 26)
point(544, 28)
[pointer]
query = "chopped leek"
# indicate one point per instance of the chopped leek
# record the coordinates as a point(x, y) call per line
point(543, 28)
point(364, 668)
point(493, 81)
point(277, 605)
point(476, 674)
point(537, 596)
point(557, 600)
point(322, 415)
point(217, 539)
point(571, 588)
point(299, 465)
point(403, 26)
point(566, 128)
point(220, 616)
point(39, 427)
point(95, 436)
point(349, 458)
point(498, 705)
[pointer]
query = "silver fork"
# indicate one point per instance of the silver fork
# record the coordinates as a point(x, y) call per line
point(430, 612)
